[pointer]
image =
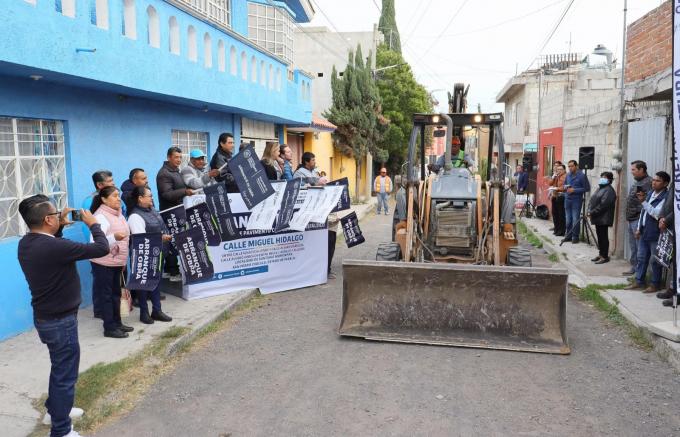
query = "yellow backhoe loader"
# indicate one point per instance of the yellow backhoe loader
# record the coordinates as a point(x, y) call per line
point(455, 274)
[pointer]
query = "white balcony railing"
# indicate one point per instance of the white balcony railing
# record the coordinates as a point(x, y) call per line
point(217, 11)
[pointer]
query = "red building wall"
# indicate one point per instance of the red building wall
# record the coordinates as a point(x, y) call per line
point(549, 151)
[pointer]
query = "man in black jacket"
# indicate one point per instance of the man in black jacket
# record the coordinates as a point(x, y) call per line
point(641, 182)
point(222, 156)
point(171, 187)
point(49, 265)
point(667, 221)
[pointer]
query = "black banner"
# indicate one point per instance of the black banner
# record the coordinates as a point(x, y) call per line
point(290, 195)
point(194, 257)
point(199, 216)
point(217, 199)
point(175, 219)
point(664, 249)
point(351, 230)
point(250, 177)
point(146, 255)
point(344, 202)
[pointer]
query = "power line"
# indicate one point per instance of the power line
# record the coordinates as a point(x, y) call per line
point(377, 7)
point(445, 29)
point(332, 25)
point(550, 35)
point(414, 28)
point(493, 26)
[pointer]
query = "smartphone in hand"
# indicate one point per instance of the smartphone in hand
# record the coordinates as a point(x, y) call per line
point(75, 216)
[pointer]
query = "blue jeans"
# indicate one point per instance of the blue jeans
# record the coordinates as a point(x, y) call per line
point(633, 242)
point(382, 201)
point(61, 338)
point(644, 254)
point(572, 209)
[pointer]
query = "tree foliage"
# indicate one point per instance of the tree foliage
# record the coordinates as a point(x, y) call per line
point(356, 110)
point(401, 97)
point(388, 26)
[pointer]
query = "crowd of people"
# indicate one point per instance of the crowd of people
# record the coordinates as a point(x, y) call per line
point(110, 216)
point(648, 212)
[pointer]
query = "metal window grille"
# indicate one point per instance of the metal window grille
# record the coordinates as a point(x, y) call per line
point(32, 161)
point(271, 29)
point(189, 140)
point(218, 11)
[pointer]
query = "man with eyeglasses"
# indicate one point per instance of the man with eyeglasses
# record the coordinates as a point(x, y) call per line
point(222, 156)
point(49, 265)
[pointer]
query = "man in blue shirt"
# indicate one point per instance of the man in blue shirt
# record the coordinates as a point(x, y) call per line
point(575, 185)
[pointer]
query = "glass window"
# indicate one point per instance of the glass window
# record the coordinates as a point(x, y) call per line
point(32, 161)
point(189, 140)
point(272, 29)
point(217, 11)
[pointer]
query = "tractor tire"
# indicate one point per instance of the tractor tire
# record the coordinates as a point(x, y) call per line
point(388, 252)
point(519, 257)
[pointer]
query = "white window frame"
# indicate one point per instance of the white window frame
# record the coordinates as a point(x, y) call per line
point(272, 29)
point(188, 140)
point(216, 11)
point(41, 139)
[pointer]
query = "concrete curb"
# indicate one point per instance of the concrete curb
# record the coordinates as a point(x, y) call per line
point(661, 346)
point(199, 327)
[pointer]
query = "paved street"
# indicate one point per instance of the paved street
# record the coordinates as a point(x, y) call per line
point(283, 370)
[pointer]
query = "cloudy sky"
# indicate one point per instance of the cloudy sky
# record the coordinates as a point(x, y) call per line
point(483, 42)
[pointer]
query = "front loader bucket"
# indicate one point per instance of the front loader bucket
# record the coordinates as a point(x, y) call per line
point(512, 308)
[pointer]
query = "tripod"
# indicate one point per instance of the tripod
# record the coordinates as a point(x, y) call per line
point(528, 208)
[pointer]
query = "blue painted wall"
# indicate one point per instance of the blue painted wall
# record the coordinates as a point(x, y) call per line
point(36, 39)
point(102, 131)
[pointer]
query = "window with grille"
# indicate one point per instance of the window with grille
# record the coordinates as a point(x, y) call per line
point(272, 29)
point(217, 11)
point(189, 140)
point(32, 161)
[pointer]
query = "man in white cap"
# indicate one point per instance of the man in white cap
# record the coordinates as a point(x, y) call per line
point(195, 175)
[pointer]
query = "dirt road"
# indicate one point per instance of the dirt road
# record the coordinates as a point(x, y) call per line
point(282, 370)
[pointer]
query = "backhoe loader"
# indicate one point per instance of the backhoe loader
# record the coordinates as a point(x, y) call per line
point(450, 278)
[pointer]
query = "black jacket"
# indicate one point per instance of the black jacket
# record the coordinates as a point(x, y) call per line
point(270, 170)
point(218, 160)
point(171, 188)
point(49, 264)
point(633, 205)
point(602, 205)
point(667, 211)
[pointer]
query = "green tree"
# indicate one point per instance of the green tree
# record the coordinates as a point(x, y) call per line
point(401, 97)
point(388, 26)
point(356, 111)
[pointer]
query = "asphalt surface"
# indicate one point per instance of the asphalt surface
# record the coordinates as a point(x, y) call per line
point(283, 370)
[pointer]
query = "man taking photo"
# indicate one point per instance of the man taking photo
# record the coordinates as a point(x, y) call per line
point(49, 265)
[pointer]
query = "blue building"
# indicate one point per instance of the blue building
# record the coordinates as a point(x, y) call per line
point(111, 84)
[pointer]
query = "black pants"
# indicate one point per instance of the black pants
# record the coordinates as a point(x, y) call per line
point(171, 265)
point(107, 282)
point(558, 214)
point(332, 237)
point(602, 232)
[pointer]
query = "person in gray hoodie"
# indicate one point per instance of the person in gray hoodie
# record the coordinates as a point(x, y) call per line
point(307, 171)
point(195, 175)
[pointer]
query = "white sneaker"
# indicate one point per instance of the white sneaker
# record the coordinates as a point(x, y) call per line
point(176, 278)
point(76, 413)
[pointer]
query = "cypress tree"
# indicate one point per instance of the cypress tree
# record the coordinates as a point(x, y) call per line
point(388, 26)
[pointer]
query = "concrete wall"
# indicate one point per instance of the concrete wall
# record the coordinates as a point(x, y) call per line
point(318, 49)
point(102, 131)
point(649, 46)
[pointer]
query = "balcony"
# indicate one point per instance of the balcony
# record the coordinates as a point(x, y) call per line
point(153, 49)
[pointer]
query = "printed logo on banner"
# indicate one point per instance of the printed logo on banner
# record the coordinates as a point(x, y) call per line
point(351, 230)
point(217, 199)
point(194, 256)
point(664, 249)
point(199, 216)
point(250, 177)
point(144, 272)
point(175, 219)
point(290, 196)
point(344, 202)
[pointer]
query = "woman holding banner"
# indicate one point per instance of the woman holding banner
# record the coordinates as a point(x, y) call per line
point(107, 271)
point(270, 162)
point(143, 219)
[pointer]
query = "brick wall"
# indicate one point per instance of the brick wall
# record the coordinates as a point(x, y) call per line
point(649, 47)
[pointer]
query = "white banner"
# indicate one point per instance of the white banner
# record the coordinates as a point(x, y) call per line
point(676, 128)
point(266, 260)
point(264, 213)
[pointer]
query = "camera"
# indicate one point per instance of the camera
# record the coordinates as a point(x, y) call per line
point(75, 216)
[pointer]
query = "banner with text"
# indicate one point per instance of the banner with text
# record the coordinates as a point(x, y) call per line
point(175, 219)
point(351, 230)
point(146, 255)
point(676, 128)
point(265, 259)
point(198, 216)
point(252, 181)
point(194, 256)
point(344, 202)
point(217, 199)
